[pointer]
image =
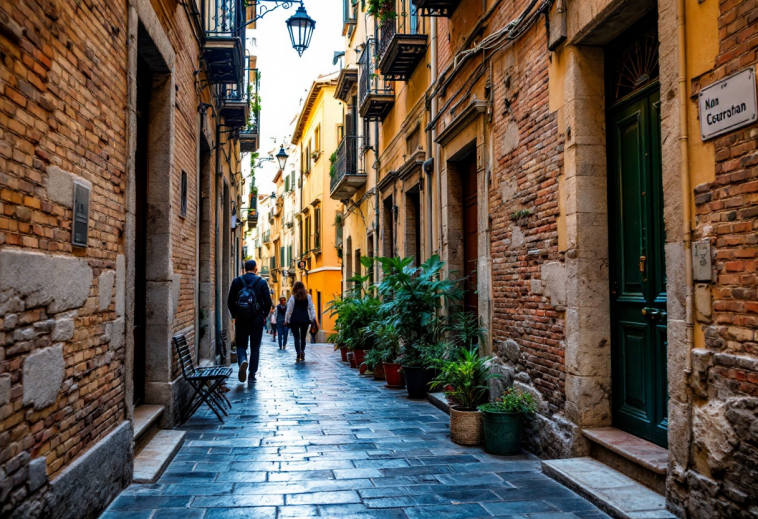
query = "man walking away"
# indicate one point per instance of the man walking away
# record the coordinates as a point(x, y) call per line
point(281, 313)
point(249, 303)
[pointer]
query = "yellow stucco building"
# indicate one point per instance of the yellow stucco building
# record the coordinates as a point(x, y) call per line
point(316, 136)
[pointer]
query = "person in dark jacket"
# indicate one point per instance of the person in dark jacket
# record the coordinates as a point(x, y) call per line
point(300, 314)
point(249, 330)
point(280, 312)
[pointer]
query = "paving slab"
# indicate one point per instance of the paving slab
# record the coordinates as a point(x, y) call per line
point(316, 439)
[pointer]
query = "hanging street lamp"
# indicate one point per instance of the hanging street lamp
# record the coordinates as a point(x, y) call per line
point(301, 28)
point(282, 157)
point(300, 25)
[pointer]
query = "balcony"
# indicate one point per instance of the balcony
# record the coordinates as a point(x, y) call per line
point(376, 96)
point(224, 27)
point(265, 271)
point(401, 47)
point(345, 177)
point(250, 134)
point(347, 79)
point(266, 237)
point(444, 8)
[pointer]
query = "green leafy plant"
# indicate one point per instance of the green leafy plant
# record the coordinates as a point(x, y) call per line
point(354, 318)
point(412, 298)
point(465, 330)
point(332, 160)
point(464, 379)
point(373, 358)
point(513, 401)
point(521, 213)
point(383, 10)
point(386, 341)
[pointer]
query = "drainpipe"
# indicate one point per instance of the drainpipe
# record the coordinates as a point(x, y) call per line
point(430, 145)
point(435, 148)
point(376, 194)
point(217, 299)
point(684, 167)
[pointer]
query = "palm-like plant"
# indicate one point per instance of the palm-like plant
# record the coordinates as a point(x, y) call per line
point(354, 319)
point(464, 379)
point(412, 298)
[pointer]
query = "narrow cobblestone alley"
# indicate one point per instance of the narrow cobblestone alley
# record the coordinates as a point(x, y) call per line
point(317, 440)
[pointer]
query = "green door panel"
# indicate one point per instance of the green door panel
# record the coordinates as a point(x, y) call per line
point(638, 268)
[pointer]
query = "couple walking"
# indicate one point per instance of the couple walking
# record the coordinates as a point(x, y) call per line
point(299, 315)
point(249, 303)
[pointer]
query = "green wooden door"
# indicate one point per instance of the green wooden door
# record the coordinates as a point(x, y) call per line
point(638, 269)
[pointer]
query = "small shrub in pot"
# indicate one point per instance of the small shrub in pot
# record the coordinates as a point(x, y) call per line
point(503, 421)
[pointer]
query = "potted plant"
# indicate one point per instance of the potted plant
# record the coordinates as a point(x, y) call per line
point(464, 381)
point(412, 298)
point(373, 362)
point(383, 10)
point(387, 345)
point(503, 420)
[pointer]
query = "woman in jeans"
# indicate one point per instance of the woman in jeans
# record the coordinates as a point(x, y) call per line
point(300, 314)
point(280, 312)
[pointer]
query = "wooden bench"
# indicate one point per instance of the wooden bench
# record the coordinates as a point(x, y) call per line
point(207, 382)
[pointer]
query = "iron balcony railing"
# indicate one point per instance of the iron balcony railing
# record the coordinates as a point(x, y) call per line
point(347, 161)
point(223, 18)
point(253, 86)
point(406, 22)
point(370, 81)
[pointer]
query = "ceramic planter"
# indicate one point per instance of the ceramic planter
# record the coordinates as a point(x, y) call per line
point(351, 359)
point(343, 353)
point(466, 427)
point(502, 432)
point(392, 375)
point(360, 356)
point(379, 372)
point(417, 380)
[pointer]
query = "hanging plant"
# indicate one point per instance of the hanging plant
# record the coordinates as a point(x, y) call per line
point(382, 10)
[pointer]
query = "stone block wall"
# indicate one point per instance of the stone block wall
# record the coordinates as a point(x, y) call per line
point(63, 91)
point(720, 474)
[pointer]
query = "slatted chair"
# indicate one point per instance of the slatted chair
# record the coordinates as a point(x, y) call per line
point(207, 382)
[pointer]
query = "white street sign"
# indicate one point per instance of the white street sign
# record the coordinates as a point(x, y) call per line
point(728, 104)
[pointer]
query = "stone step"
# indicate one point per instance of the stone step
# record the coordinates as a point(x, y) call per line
point(146, 424)
point(616, 494)
point(639, 459)
point(439, 401)
point(150, 463)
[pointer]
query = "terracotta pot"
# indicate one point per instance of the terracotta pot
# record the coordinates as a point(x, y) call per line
point(360, 356)
point(395, 379)
point(343, 353)
point(379, 372)
point(351, 359)
point(466, 427)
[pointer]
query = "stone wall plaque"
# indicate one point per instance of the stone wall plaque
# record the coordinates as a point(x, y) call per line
point(728, 104)
point(701, 260)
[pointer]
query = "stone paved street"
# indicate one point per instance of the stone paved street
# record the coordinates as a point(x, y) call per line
point(317, 440)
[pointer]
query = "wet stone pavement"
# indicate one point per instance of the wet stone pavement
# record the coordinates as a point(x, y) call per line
point(315, 439)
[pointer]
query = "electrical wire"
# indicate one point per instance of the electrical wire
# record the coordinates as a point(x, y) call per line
point(492, 43)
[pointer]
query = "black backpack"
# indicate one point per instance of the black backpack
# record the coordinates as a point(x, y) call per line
point(247, 301)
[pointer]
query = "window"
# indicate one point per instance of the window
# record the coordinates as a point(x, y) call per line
point(307, 234)
point(287, 184)
point(317, 227)
point(317, 140)
point(184, 194)
point(412, 142)
point(358, 266)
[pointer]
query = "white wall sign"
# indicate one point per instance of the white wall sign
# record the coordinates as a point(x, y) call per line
point(728, 104)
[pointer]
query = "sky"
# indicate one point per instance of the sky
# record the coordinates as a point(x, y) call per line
point(287, 77)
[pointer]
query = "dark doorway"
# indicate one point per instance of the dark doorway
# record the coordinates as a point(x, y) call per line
point(413, 225)
point(638, 268)
point(144, 93)
point(470, 232)
point(388, 231)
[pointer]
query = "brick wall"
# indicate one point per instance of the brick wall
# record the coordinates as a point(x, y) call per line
point(720, 480)
point(62, 104)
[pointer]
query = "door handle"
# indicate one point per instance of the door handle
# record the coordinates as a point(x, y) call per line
point(653, 313)
point(643, 259)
